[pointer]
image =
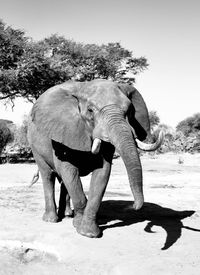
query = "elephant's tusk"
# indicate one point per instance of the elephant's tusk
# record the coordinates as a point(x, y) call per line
point(151, 147)
point(96, 146)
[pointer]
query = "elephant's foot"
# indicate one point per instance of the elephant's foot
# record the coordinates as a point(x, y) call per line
point(68, 213)
point(89, 228)
point(50, 217)
point(77, 220)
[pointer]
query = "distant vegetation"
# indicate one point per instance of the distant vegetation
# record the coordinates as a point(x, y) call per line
point(16, 149)
point(176, 140)
point(185, 138)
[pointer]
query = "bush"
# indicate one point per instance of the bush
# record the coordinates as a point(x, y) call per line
point(15, 154)
point(19, 150)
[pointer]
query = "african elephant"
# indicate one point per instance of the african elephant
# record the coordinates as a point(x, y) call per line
point(74, 129)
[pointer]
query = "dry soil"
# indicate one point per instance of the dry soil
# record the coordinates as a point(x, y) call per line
point(162, 238)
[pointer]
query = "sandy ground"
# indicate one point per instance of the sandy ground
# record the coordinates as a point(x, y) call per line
point(162, 238)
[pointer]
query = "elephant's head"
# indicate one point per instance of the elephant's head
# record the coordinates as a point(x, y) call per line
point(81, 115)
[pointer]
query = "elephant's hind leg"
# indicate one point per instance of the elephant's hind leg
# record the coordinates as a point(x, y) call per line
point(64, 209)
point(48, 179)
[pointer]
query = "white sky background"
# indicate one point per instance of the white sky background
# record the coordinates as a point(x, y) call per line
point(167, 33)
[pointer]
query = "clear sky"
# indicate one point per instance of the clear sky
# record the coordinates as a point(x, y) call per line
point(167, 33)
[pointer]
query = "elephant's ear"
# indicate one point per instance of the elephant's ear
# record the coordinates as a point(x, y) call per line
point(56, 114)
point(138, 115)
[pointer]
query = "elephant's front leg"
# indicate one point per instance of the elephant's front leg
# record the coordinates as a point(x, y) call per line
point(72, 182)
point(98, 185)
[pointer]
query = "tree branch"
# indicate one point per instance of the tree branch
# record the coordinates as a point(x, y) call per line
point(9, 95)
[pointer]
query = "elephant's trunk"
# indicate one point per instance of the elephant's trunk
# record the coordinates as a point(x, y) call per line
point(120, 135)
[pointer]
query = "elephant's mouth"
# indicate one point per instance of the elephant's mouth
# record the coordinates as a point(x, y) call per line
point(140, 145)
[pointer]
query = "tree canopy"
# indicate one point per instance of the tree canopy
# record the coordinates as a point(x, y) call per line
point(28, 68)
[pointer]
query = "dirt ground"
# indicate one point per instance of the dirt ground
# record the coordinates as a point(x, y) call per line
point(162, 238)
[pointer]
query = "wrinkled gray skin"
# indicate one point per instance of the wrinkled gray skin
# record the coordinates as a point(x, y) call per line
point(63, 125)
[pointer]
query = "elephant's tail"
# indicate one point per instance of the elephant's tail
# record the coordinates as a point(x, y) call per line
point(35, 178)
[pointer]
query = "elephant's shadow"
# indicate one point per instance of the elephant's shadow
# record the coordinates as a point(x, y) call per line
point(123, 213)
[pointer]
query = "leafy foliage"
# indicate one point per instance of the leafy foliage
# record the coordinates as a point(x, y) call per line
point(12, 44)
point(190, 125)
point(190, 129)
point(186, 137)
point(173, 142)
point(28, 68)
point(19, 150)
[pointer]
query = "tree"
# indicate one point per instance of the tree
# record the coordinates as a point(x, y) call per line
point(12, 42)
point(33, 73)
point(31, 67)
point(90, 61)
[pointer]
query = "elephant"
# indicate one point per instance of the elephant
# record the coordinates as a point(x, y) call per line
point(74, 129)
point(7, 132)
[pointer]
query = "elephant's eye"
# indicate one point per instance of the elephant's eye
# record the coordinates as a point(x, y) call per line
point(90, 113)
point(90, 110)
